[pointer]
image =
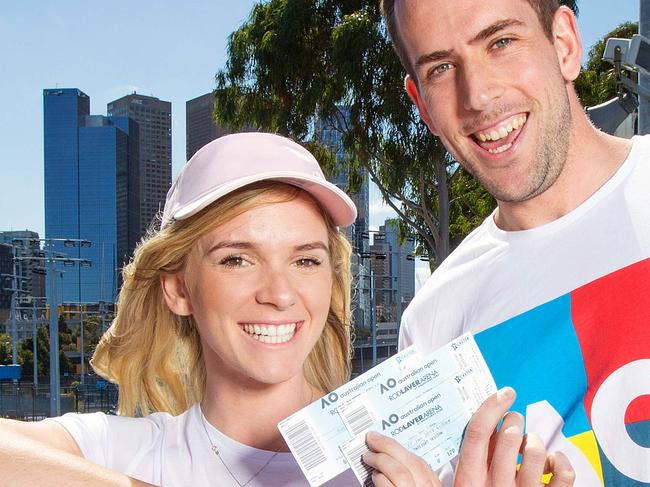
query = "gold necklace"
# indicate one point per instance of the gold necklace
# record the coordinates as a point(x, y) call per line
point(215, 449)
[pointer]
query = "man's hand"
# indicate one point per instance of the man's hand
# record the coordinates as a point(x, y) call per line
point(488, 457)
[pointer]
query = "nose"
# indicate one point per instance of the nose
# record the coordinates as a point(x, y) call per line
point(480, 88)
point(276, 289)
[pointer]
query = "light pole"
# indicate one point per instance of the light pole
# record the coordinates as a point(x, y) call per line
point(644, 79)
point(50, 258)
point(33, 308)
point(83, 312)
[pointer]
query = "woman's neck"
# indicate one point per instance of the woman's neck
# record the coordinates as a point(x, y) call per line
point(248, 412)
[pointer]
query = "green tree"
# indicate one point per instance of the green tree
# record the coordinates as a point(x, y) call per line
point(295, 58)
point(597, 80)
point(5, 349)
point(26, 354)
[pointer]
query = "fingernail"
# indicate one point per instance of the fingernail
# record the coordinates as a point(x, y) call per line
point(505, 393)
point(514, 429)
point(371, 435)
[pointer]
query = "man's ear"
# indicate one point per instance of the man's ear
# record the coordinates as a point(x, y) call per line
point(176, 295)
point(412, 89)
point(567, 43)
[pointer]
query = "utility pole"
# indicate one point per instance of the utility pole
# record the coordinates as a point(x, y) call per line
point(644, 79)
point(55, 379)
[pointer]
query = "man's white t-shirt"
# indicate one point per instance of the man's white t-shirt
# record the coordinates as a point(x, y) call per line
point(561, 312)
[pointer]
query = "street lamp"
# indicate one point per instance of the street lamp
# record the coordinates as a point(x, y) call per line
point(49, 259)
point(33, 308)
point(629, 57)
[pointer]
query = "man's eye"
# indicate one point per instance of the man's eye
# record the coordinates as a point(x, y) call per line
point(506, 41)
point(442, 68)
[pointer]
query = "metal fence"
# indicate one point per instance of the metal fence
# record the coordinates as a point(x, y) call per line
point(27, 402)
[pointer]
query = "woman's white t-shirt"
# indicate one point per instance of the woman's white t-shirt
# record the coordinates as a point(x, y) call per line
point(168, 450)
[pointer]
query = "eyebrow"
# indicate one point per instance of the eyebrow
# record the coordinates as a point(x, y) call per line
point(494, 28)
point(244, 245)
point(313, 246)
point(486, 33)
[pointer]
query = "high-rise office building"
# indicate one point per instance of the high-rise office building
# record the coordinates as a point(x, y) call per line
point(91, 174)
point(27, 248)
point(401, 267)
point(325, 132)
point(6, 268)
point(200, 127)
point(154, 118)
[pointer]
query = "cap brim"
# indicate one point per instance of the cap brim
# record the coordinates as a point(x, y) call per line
point(333, 200)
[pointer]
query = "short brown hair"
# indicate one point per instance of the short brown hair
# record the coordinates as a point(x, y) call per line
point(545, 12)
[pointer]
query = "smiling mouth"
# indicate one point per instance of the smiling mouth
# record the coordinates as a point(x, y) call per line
point(500, 137)
point(270, 333)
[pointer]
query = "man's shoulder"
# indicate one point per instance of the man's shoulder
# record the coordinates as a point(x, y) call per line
point(443, 297)
point(462, 259)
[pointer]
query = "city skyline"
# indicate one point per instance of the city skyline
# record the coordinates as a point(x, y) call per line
point(180, 68)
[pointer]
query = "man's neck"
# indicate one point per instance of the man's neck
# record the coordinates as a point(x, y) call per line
point(593, 158)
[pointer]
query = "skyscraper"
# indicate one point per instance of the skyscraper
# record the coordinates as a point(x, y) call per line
point(154, 118)
point(402, 267)
point(91, 171)
point(325, 131)
point(28, 249)
point(200, 127)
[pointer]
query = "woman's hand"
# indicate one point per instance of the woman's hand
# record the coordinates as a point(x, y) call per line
point(395, 466)
point(488, 457)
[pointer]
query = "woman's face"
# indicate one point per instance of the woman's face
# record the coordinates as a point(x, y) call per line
point(259, 288)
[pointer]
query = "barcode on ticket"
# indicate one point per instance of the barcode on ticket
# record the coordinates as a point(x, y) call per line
point(356, 417)
point(305, 446)
point(354, 450)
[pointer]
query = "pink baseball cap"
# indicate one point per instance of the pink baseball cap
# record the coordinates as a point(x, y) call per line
point(233, 161)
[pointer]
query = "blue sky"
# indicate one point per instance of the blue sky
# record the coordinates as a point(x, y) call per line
point(162, 48)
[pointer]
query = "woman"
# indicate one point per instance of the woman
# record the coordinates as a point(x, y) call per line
point(231, 317)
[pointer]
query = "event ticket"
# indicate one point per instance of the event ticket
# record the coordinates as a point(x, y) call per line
point(424, 402)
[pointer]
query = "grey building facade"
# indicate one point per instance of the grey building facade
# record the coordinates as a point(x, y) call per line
point(200, 127)
point(154, 118)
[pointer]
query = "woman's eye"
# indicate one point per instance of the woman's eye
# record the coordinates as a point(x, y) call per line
point(307, 262)
point(233, 261)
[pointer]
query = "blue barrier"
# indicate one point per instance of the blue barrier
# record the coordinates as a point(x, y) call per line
point(11, 372)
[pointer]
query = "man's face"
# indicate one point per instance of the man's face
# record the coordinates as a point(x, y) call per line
point(493, 87)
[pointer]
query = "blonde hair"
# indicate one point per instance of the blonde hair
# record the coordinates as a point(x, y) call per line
point(155, 356)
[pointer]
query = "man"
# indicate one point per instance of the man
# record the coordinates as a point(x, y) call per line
point(555, 285)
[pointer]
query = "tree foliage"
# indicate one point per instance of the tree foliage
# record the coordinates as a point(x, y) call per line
point(5, 349)
point(293, 59)
point(597, 80)
point(25, 353)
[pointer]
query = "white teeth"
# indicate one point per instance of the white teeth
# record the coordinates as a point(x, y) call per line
point(500, 149)
point(270, 333)
point(501, 132)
